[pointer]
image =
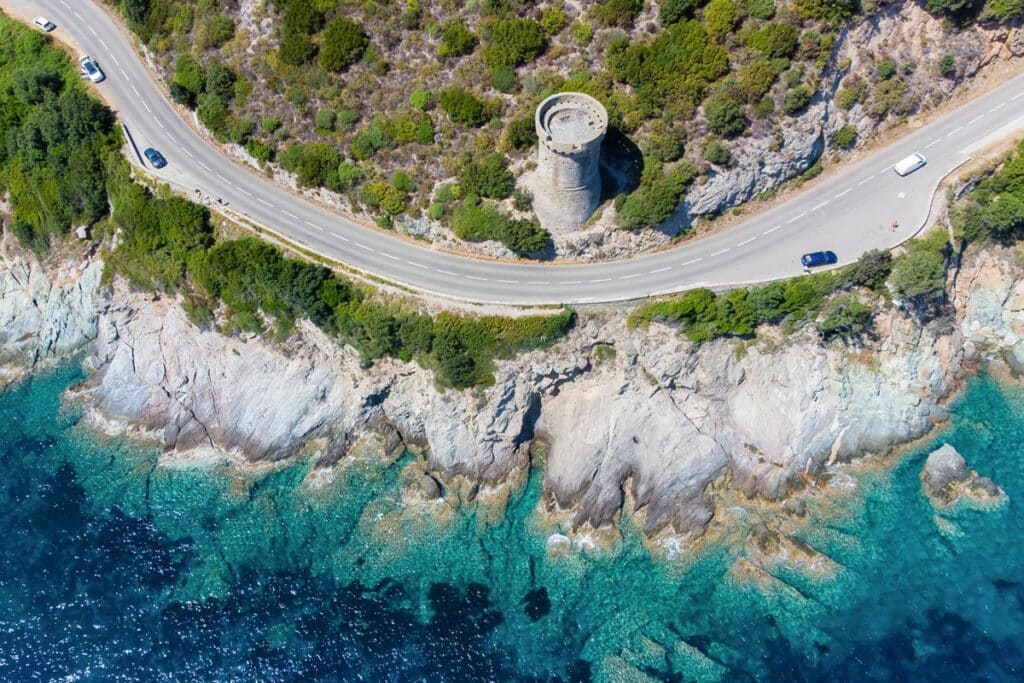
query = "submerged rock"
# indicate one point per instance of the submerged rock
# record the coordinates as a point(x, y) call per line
point(948, 481)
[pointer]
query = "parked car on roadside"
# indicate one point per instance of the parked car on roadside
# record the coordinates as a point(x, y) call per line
point(90, 69)
point(155, 157)
point(818, 258)
point(44, 23)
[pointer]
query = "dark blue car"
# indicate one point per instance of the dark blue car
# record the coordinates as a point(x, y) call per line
point(155, 158)
point(818, 258)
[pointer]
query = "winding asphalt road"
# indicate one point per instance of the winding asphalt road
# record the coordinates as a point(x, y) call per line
point(849, 212)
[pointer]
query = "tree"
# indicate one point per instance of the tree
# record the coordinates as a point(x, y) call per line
point(919, 274)
point(724, 115)
point(755, 79)
point(616, 12)
point(521, 133)
point(775, 40)
point(717, 153)
point(947, 66)
point(672, 11)
point(342, 44)
point(871, 270)
point(844, 315)
point(719, 18)
point(845, 137)
point(796, 100)
point(135, 10)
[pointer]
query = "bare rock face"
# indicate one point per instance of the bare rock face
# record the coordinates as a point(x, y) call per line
point(948, 481)
point(45, 313)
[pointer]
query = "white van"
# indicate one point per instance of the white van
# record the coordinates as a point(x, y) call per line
point(909, 165)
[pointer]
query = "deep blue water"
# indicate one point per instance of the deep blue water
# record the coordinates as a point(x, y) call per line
point(114, 568)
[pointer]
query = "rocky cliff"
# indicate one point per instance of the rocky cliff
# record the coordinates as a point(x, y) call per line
point(45, 313)
point(652, 425)
point(625, 418)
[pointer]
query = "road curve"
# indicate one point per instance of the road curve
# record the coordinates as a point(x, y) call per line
point(849, 213)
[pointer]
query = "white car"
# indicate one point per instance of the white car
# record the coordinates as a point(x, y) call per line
point(44, 23)
point(909, 165)
point(91, 69)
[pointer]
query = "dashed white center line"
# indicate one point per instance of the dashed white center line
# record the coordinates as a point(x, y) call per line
point(885, 170)
point(604, 279)
point(571, 282)
point(289, 214)
point(66, 5)
point(393, 258)
point(997, 107)
point(659, 270)
point(125, 74)
point(343, 239)
point(719, 252)
point(146, 105)
point(205, 166)
point(189, 155)
point(510, 282)
point(417, 265)
point(92, 30)
point(104, 44)
point(747, 241)
point(629, 277)
point(866, 180)
point(692, 261)
point(245, 192)
point(116, 60)
point(954, 131)
point(771, 230)
point(844, 192)
point(157, 121)
point(1017, 96)
point(171, 138)
point(474, 277)
point(314, 225)
point(446, 272)
point(933, 142)
point(363, 246)
point(261, 200)
point(975, 119)
point(794, 219)
point(821, 206)
point(79, 16)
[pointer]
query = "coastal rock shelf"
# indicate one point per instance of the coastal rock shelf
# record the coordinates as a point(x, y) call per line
point(647, 429)
point(949, 482)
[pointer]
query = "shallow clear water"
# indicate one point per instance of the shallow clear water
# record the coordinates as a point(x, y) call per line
point(113, 568)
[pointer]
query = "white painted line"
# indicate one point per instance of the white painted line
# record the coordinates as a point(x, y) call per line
point(539, 282)
point(171, 138)
point(146, 105)
point(92, 30)
point(976, 118)
point(571, 282)
point(66, 6)
point(510, 282)
point(446, 272)
point(659, 270)
point(473, 277)
point(116, 60)
point(868, 179)
point(417, 265)
point(954, 131)
point(719, 252)
point(125, 74)
point(933, 142)
point(844, 192)
point(695, 260)
point(343, 239)
point(748, 241)
point(261, 200)
point(796, 218)
point(393, 258)
point(821, 206)
point(289, 214)
point(771, 230)
point(205, 166)
point(245, 192)
point(885, 170)
point(79, 16)
point(160, 125)
point(104, 44)
point(363, 246)
point(1017, 96)
point(629, 277)
point(189, 154)
point(604, 279)
point(313, 225)
point(997, 107)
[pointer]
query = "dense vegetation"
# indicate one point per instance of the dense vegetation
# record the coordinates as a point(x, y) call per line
point(61, 166)
point(403, 86)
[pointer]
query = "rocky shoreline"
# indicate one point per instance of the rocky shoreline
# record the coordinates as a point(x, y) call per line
point(627, 419)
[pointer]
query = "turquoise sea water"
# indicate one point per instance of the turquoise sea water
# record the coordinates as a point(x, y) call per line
point(112, 568)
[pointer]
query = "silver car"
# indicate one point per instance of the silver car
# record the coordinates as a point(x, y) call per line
point(90, 69)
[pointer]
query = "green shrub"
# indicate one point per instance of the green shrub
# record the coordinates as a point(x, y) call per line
point(761, 9)
point(775, 40)
point(719, 18)
point(672, 11)
point(947, 66)
point(489, 178)
point(553, 19)
point(477, 221)
point(616, 12)
point(844, 315)
point(796, 100)
point(845, 137)
point(514, 41)
point(503, 78)
point(886, 69)
point(717, 153)
point(325, 120)
point(462, 106)
point(724, 115)
point(386, 197)
point(419, 99)
point(190, 78)
point(871, 270)
point(656, 199)
point(219, 30)
point(456, 40)
point(920, 274)
point(755, 79)
point(342, 44)
point(314, 164)
point(521, 133)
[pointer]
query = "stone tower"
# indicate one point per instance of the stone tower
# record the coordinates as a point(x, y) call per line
point(567, 183)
